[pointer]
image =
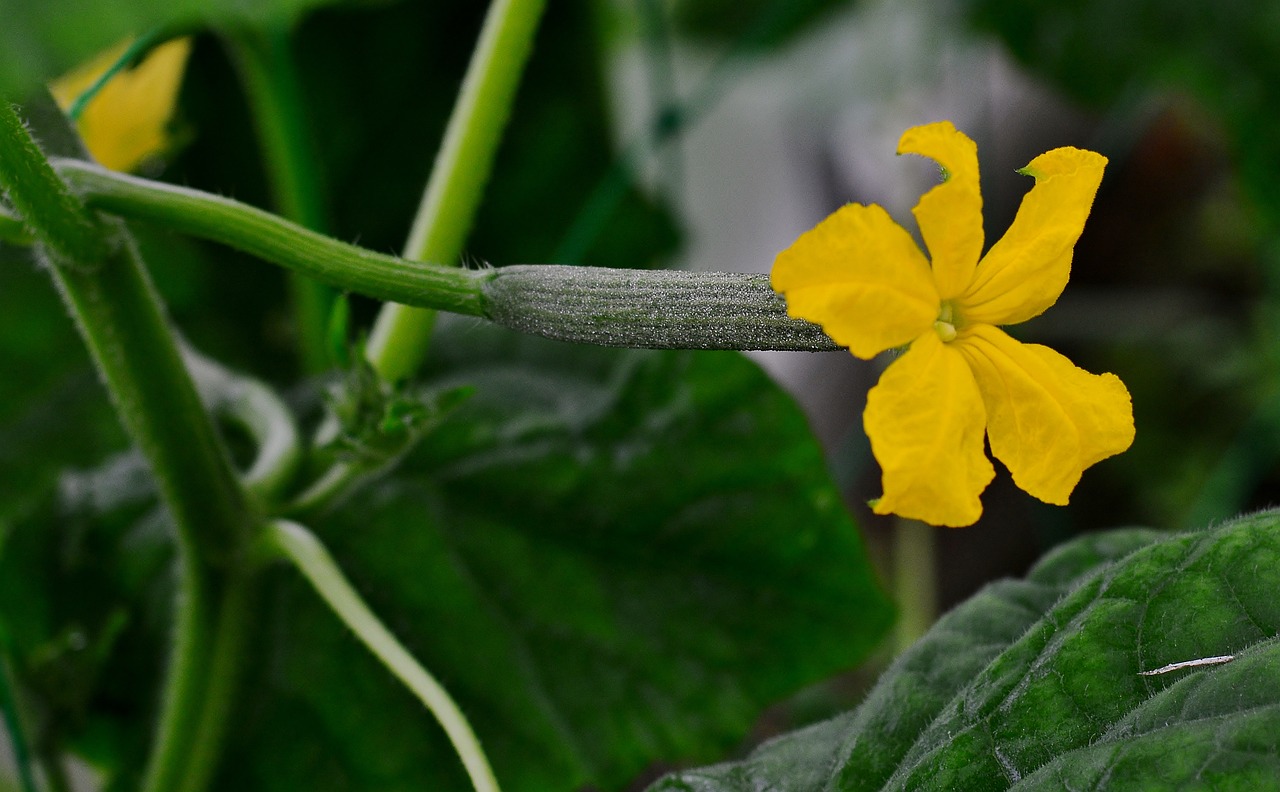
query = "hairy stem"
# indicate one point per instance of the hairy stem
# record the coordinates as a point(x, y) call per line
point(401, 333)
point(52, 214)
point(301, 548)
point(595, 305)
point(277, 240)
point(96, 267)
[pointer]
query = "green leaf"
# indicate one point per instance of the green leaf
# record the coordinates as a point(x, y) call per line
point(42, 40)
point(1038, 684)
point(609, 558)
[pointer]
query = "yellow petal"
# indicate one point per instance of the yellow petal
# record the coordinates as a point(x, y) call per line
point(1047, 419)
point(862, 278)
point(925, 420)
point(949, 215)
point(1026, 271)
point(126, 122)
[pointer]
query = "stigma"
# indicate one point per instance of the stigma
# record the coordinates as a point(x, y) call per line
point(945, 326)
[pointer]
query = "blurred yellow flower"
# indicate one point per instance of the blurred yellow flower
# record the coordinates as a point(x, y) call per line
point(861, 277)
point(126, 122)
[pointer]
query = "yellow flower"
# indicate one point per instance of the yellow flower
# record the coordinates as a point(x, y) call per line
point(126, 122)
point(861, 277)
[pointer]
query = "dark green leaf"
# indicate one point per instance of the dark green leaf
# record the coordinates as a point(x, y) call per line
point(1038, 684)
point(610, 558)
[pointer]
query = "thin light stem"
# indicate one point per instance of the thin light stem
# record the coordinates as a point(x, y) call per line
point(915, 573)
point(401, 334)
point(335, 481)
point(259, 411)
point(273, 89)
point(301, 548)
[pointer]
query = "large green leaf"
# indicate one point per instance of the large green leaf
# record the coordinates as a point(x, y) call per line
point(1039, 684)
point(610, 558)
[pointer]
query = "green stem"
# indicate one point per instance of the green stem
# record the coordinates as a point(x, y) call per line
point(915, 571)
point(274, 92)
point(339, 479)
point(659, 67)
point(96, 267)
point(594, 305)
point(309, 556)
point(104, 284)
point(400, 336)
point(277, 240)
point(51, 213)
point(212, 620)
point(191, 768)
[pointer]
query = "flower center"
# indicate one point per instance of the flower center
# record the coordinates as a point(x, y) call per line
point(945, 326)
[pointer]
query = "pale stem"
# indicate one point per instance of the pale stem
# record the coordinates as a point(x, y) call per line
point(914, 580)
point(401, 334)
point(309, 556)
